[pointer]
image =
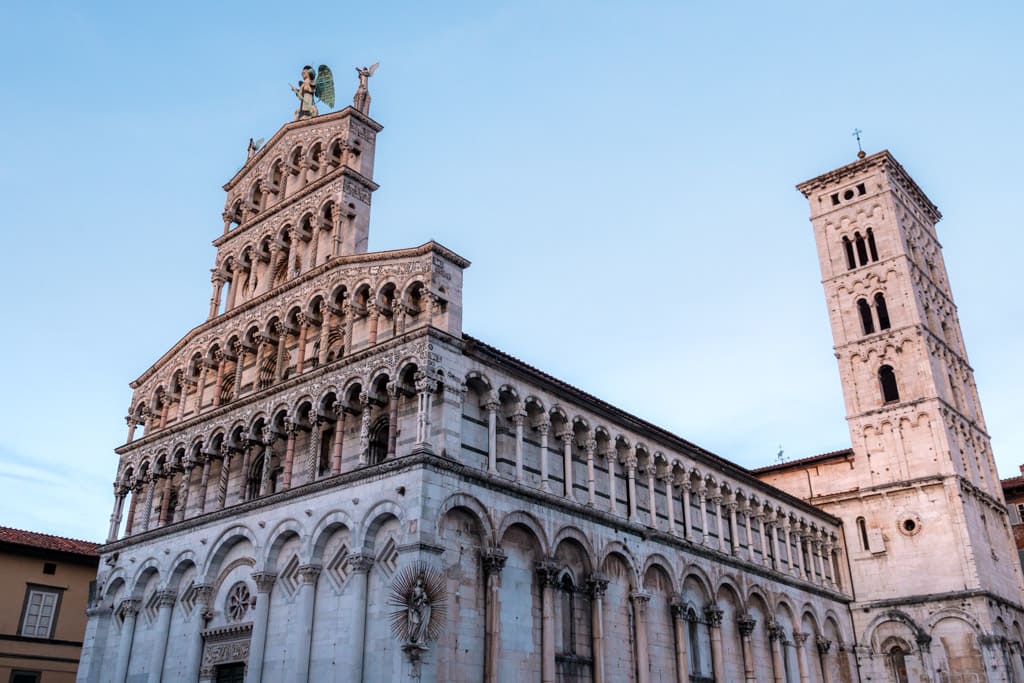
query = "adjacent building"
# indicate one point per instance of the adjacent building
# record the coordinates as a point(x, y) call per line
point(47, 586)
point(329, 480)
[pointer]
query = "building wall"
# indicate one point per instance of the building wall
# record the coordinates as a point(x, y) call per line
point(57, 657)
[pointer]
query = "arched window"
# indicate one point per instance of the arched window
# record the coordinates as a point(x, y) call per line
point(379, 441)
point(567, 600)
point(897, 664)
point(848, 248)
point(866, 322)
point(871, 245)
point(882, 311)
point(862, 250)
point(887, 379)
point(862, 531)
point(694, 641)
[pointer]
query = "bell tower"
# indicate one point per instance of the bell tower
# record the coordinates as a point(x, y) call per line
point(935, 575)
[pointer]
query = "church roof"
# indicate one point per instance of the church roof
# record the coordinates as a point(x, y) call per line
point(34, 539)
point(800, 463)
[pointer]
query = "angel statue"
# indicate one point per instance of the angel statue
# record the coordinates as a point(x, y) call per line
point(315, 85)
point(361, 101)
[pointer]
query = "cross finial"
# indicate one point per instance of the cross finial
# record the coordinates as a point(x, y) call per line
point(860, 150)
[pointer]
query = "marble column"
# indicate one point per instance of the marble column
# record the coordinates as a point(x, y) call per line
point(652, 500)
point(300, 353)
point(361, 565)
point(425, 388)
point(493, 562)
point(325, 332)
point(746, 625)
point(204, 483)
point(291, 429)
point(734, 530)
point(201, 385)
point(313, 451)
point(566, 438)
point(687, 510)
point(222, 477)
point(165, 606)
point(94, 645)
point(716, 501)
point(129, 610)
point(801, 656)
point(339, 436)
point(610, 456)
point(631, 486)
point(240, 351)
point(218, 283)
point(679, 631)
point(136, 491)
point(492, 407)
point(394, 392)
point(364, 427)
point(185, 488)
point(218, 381)
point(518, 418)
point(308, 575)
point(202, 612)
point(643, 662)
point(713, 617)
point(824, 645)
point(373, 315)
point(761, 521)
point(547, 573)
point(590, 447)
point(702, 498)
point(268, 457)
point(777, 637)
point(597, 585)
point(261, 613)
point(281, 361)
point(776, 559)
point(544, 428)
point(115, 516)
point(147, 508)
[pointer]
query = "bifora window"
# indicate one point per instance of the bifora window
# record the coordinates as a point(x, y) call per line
point(40, 612)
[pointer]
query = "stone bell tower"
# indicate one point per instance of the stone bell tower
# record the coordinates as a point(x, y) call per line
point(935, 575)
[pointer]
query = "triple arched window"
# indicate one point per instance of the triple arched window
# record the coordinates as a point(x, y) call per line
point(860, 250)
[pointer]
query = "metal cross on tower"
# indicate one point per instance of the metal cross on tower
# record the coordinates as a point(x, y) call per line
point(860, 151)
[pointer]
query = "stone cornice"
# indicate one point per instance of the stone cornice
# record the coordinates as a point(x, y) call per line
point(426, 459)
point(298, 125)
point(883, 160)
point(488, 354)
point(952, 596)
point(314, 273)
point(334, 176)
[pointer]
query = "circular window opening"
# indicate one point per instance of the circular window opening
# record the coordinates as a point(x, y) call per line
point(909, 525)
point(848, 195)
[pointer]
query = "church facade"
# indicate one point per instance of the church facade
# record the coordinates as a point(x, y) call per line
point(328, 480)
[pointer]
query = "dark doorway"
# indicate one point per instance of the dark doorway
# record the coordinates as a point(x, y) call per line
point(231, 673)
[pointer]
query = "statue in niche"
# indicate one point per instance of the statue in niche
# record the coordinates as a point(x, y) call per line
point(419, 594)
point(316, 84)
point(361, 100)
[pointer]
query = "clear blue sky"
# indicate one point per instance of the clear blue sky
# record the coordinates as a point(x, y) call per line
point(620, 174)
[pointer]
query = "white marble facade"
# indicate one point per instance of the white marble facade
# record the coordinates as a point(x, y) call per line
point(330, 428)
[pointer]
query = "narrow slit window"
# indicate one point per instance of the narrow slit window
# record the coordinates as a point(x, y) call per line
point(882, 310)
point(887, 379)
point(866, 322)
point(862, 249)
point(848, 247)
point(871, 245)
point(862, 529)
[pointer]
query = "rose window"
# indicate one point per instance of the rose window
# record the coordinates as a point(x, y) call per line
point(238, 602)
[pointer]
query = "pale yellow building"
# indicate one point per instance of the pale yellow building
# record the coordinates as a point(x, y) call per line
point(47, 582)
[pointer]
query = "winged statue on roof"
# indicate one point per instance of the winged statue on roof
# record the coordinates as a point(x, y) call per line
point(316, 84)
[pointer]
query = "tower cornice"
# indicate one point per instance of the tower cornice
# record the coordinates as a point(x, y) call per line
point(347, 112)
point(880, 160)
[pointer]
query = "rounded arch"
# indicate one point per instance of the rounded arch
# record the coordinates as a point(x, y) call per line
point(143, 575)
point(321, 534)
point(284, 531)
point(374, 518)
point(525, 519)
point(181, 564)
point(661, 562)
point(228, 539)
point(617, 549)
point(700, 577)
point(471, 505)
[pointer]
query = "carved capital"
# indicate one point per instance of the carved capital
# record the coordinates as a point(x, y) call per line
point(264, 581)
point(591, 446)
point(166, 598)
point(309, 573)
point(799, 638)
point(493, 560)
point(544, 428)
point(640, 599)
point(128, 608)
point(713, 616)
point(776, 632)
point(746, 624)
point(824, 644)
point(597, 585)
point(547, 572)
point(361, 564)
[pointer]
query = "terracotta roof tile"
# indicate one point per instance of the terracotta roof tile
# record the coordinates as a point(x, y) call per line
point(841, 453)
point(47, 542)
